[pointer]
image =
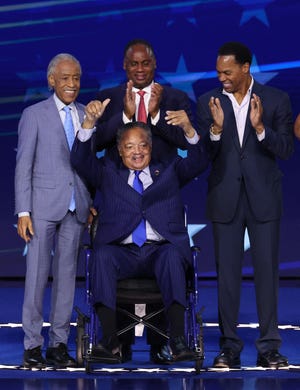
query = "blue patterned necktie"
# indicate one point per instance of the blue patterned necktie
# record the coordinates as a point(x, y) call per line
point(69, 130)
point(139, 233)
point(69, 127)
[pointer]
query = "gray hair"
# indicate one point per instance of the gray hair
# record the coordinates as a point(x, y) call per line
point(57, 59)
point(132, 125)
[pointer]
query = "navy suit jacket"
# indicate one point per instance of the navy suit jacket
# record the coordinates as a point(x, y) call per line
point(123, 207)
point(255, 162)
point(165, 138)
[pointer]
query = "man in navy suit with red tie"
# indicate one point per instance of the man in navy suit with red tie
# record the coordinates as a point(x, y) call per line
point(140, 66)
point(165, 251)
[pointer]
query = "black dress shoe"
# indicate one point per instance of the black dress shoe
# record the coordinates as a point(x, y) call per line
point(227, 358)
point(59, 357)
point(33, 358)
point(160, 354)
point(271, 359)
point(126, 353)
point(102, 354)
point(180, 350)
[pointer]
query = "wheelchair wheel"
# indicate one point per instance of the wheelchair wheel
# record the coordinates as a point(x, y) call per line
point(80, 340)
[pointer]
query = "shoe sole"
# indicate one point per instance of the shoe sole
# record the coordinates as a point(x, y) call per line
point(280, 365)
point(38, 366)
point(225, 366)
point(60, 365)
point(220, 365)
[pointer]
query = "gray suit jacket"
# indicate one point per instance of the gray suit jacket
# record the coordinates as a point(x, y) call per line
point(44, 178)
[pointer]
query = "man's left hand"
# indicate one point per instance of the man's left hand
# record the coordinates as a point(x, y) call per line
point(155, 99)
point(181, 119)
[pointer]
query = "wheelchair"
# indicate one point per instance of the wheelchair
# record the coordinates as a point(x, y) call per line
point(137, 291)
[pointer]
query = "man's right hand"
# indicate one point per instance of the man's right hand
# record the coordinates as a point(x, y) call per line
point(217, 114)
point(25, 228)
point(129, 101)
point(93, 111)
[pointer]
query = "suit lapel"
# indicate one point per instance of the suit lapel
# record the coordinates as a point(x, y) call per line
point(248, 127)
point(80, 112)
point(123, 172)
point(53, 121)
point(229, 119)
point(155, 171)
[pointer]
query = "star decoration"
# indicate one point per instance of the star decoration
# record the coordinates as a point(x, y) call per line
point(109, 78)
point(37, 78)
point(261, 77)
point(254, 9)
point(183, 12)
point(182, 79)
point(193, 229)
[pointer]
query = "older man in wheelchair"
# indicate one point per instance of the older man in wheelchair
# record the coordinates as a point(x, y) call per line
point(141, 231)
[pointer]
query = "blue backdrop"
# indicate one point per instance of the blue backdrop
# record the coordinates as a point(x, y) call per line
point(185, 36)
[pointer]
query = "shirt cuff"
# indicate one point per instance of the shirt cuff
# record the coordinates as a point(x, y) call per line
point(125, 119)
point(214, 137)
point(155, 119)
point(85, 134)
point(24, 214)
point(194, 140)
point(261, 136)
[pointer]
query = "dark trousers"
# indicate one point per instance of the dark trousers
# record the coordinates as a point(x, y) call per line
point(229, 251)
point(111, 263)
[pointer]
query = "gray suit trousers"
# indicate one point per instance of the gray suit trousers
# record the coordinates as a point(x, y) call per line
point(54, 243)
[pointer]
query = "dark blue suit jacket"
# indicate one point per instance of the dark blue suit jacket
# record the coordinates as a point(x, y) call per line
point(123, 207)
point(165, 138)
point(255, 162)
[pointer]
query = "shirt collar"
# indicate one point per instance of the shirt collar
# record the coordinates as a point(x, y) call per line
point(146, 171)
point(60, 105)
point(146, 89)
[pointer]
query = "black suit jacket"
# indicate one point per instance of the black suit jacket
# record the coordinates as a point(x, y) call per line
point(254, 162)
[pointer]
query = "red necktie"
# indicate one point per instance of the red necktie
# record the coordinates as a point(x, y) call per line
point(142, 115)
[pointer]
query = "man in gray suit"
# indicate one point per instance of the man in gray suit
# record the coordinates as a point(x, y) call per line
point(52, 204)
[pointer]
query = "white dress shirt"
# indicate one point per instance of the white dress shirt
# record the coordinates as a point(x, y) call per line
point(240, 113)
